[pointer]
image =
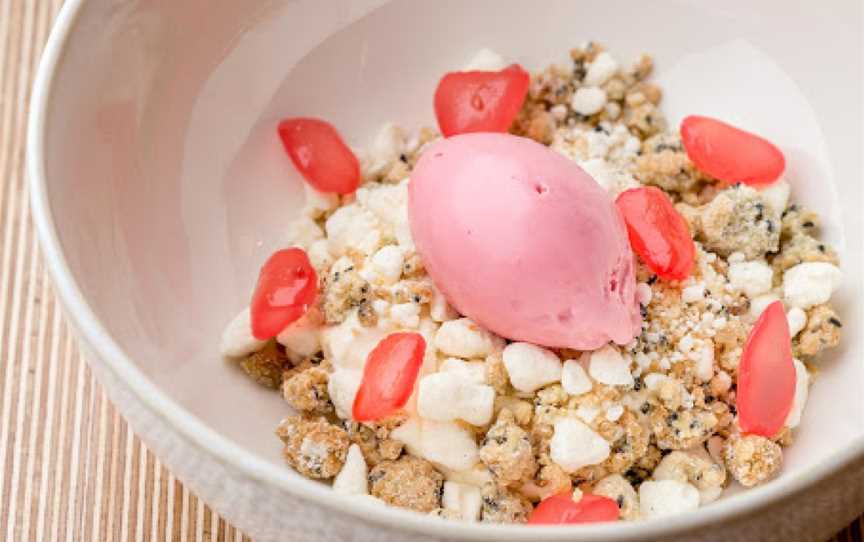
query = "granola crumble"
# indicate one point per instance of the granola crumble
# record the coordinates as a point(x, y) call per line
point(671, 420)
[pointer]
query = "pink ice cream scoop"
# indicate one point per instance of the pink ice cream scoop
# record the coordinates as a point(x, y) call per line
point(521, 240)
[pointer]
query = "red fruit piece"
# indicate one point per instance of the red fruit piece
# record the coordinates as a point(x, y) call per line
point(730, 154)
point(658, 233)
point(766, 375)
point(561, 509)
point(319, 153)
point(287, 287)
point(480, 101)
point(388, 377)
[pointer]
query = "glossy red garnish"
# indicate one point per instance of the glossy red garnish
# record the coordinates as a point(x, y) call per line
point(658, 233)
point(319, 153)
point(287, 287)
point(480, 101)
point(731, 154)
point(561, 509)
point(388, 376)
point(766, 375)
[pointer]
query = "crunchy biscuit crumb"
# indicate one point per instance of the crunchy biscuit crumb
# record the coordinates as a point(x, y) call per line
point(373, 442)
point(412, 266)
point(514, 409)
point(617, 488)
point(408, 482)
point(552, 480)
point(644, 466)
point(307, 391)
point(752, 459)
point(664, 163)
point(800, 249)
point(737, 220)
point(822, 332)
point(643, 67)
point(496, 373)
point(266, 365)
point(798, 221)
point(645, 120)
point(630, 444)
point(535, 122)
point(501, 505)
point(683, 429)
point(343, 290)
point(314, 447)
point(506, 450)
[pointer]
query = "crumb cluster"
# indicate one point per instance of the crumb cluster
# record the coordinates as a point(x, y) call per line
point(651, 425)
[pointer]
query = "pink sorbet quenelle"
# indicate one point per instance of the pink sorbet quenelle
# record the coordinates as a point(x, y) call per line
point(524, 242)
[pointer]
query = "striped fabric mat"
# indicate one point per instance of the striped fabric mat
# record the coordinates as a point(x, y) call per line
point(70, 468)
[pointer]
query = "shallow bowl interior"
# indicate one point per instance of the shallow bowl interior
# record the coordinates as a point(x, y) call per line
point(167, 186)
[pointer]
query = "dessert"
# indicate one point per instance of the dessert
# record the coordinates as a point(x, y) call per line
point(563, 310)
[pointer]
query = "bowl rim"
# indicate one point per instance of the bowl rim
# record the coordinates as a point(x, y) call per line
point(227, 452)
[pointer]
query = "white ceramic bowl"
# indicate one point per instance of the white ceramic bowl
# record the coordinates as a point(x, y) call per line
point(158, 188)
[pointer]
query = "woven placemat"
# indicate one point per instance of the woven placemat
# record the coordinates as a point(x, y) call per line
point(70, 468)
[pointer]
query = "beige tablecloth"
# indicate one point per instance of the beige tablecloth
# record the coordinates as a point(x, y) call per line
point(70, 468)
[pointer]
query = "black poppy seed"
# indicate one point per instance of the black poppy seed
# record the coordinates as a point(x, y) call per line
point(808, 224)
point(620, 501)
point(645, 408)
point(490, 503)
point(835, 322)
point(403, 158)
point(821, 248)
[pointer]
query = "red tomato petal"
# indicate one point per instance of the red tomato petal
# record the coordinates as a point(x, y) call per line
point(319, 153)
point(730, 154)
point(389, 376)
point(287, 287)
point(658, 233)
point(561, 509)
point(480, 101)
point(766, 375)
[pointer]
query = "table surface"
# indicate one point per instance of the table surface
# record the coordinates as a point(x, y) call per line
point(70, 468)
